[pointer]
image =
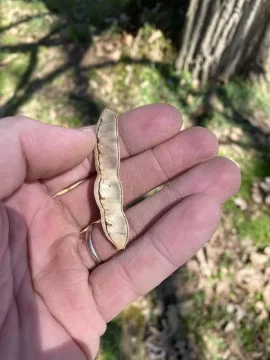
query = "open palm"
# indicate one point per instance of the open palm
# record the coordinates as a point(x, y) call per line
point(54, 301)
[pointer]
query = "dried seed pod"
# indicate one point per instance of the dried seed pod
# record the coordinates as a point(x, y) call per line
point(108, 189)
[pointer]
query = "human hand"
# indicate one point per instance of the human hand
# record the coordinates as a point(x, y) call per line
point(54, 302)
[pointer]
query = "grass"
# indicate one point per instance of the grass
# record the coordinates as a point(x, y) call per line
point(253, 168)
point(14, 70)
point(204, 323)
point(247, 97)
point(253, 160)
point(114, 337)
point(248, 337)
point(257, 230)
point(111, 341)
point(152, 83)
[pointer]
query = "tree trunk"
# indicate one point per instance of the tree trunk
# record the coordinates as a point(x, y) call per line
point(225, 37)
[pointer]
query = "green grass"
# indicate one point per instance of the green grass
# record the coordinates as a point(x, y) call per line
point(247, 98)
point(203, 322)
point(199, 322)
point(37, 5)
point(254, 163)
point(257, 230)
point(39, 25)
point(249, 337)
point(10, 78)
point(155, 88)
point(111, 341)
point(218, 344)
point(253, 168)
point(256, 167)
point(24, 4)
point(150, 83)
point(5, 84)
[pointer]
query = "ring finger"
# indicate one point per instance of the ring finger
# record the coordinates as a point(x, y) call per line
point(217, 178)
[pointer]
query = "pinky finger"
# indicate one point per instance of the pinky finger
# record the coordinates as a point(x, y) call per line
point(171, 241)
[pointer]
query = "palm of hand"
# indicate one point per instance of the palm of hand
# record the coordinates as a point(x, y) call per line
point(34, 303)
point(49, 305)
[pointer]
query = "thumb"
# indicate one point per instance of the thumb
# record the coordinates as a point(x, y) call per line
point(32, 150)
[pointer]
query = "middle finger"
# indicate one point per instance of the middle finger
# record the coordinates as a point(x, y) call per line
point(217, 178)
point(143, 172)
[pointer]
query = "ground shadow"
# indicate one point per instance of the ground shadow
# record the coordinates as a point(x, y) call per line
point(251, 126)
point(166, 15)
point(72, 32)
point(173, 333)
point(77, 22)
point(257, 133)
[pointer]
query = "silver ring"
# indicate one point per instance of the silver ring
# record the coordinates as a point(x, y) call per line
point(92, 249)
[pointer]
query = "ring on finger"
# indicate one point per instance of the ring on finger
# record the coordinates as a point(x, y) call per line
point(91, 247)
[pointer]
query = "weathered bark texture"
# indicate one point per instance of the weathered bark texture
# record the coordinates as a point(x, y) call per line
point(225, 37)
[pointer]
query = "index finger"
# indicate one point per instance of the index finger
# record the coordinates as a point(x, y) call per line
point(139, 130)
point(32, 150)
point(147, 126)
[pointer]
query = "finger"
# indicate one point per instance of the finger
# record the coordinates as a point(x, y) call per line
point(139, 129)
point(4, 230)
point(33, 150)
point(217, 178)
point(145, 171)
point(170, 242)
point(62, 284)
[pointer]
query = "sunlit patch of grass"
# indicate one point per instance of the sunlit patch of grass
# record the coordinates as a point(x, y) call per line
point(37, 5)
point(247, 98)
point(238, 94)
point(218, 119)
point(29, 31)
point(147, 80)
point(253, 167)
point(7, 84)
point(257, 230)
point(8, 39)
point(215, 345)
point(249, 336)
point(204, 323)
point(146, 83)
point(133, 314)
point(203, 319)
point(155, 88)
point(39, 25)
point(54, 109)
point(18, 67)
point(19, 8)
point(10, 78)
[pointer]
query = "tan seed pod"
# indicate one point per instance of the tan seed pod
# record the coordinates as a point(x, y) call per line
point(108, 189)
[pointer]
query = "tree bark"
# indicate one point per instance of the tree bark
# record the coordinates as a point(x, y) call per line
point(225, 37)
